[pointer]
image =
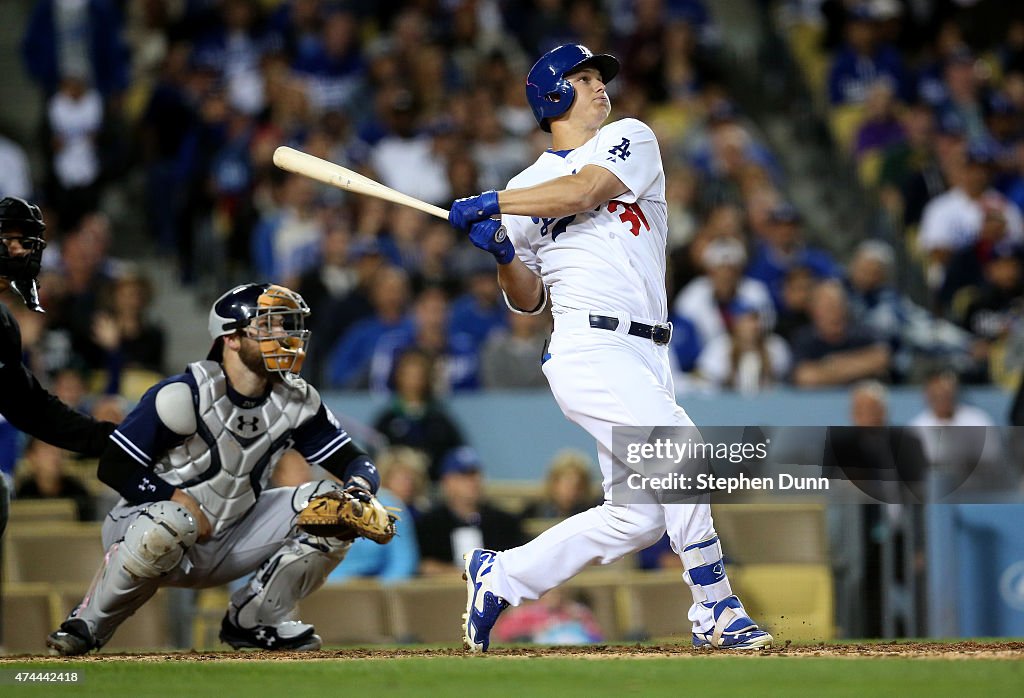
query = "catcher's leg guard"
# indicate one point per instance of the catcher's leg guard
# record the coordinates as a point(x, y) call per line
point(131, 572)
point(267, 602)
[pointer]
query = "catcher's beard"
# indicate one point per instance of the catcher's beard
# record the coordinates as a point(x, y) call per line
point(252, 359)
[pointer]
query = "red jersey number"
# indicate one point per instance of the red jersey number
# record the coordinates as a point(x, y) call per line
point(631, 214)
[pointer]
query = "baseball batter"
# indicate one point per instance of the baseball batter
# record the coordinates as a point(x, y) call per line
point(587, 224)
point(192, 462)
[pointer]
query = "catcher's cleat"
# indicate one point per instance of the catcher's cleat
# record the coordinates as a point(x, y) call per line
point(483, 606)
point(290, 635)
point(71, 639)
point(733, 629)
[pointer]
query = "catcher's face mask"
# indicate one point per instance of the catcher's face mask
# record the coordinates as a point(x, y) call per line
point(272, 316)
point(279, 327)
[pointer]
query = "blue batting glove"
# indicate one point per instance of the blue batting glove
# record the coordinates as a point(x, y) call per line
point(468, 211)
point(490, 235)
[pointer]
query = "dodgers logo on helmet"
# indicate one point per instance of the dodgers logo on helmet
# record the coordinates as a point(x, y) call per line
point(547, 90)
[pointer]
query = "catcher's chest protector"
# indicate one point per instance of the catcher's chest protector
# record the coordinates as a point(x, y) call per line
point(228, 461)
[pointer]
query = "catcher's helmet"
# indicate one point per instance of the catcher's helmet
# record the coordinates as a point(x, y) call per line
point(22, 222)
point(272, 315)
point(547, 90)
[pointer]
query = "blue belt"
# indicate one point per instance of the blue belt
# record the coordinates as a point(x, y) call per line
point(659, 334)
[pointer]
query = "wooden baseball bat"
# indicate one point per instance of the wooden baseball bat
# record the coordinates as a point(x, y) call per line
point(321, 170)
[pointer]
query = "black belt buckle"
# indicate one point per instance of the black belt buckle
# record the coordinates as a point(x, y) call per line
point(661, 333)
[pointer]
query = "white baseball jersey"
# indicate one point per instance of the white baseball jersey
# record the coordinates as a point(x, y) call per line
point(611, 258)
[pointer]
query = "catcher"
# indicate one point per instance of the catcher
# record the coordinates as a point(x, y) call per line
point(192, 463)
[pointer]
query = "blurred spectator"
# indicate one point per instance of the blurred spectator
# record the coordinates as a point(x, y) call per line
point(555, 619)
point(403, 234)
point(685, 344)
point(234, 47)
point(403, 471)
point(862, 60)
point(720, 221)
point(963, 93)
point(463, 520)
point(835, 350)
point(349, 362)
point(402, 476)
point(881, 128)
point(334, 277)
point(287, 243)
point(435, 245)
point(15, 175)
point(942, 395)
point(74, 119)
point(795, 311)
point(966, 266)
point(46, 479)
point(331, 63)
point(930, 167)
point(499, 156)
point(365, 259)
point(86, 273)
point(902, 159)
point(480, 311)
point(166, 132)
point(971, 447)
point(749, 359)
point(782, 247)
point(123, 331)
point(991, 310)
point(455, 357)
point(711, 301)
point(511, 358)
point(869, 404)
point(953, 220)
point(414, 418)
point(913, 334)
point(409, 161)
point(76, 36)
point(568, 488)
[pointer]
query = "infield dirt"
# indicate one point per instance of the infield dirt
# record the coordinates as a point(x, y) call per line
point(905, 650)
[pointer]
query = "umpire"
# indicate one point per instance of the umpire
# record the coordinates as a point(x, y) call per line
point(23, 401)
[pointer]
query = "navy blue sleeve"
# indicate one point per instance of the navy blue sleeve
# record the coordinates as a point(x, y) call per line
point(139, 441)
point(322, 441)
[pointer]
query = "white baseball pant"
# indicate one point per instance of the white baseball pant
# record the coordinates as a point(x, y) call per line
point(602, 379)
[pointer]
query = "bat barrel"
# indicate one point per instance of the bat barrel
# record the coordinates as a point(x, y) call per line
point(307, 165)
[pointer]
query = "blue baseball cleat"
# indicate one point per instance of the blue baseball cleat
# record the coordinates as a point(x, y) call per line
point(733, 629)
point(483, 606)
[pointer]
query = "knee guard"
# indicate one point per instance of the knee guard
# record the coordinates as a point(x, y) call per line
point(705, 570)
point(130, 573)
point(157, 540)
point(294, 572)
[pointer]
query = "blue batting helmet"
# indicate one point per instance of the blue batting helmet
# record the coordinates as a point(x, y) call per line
point(547, 90)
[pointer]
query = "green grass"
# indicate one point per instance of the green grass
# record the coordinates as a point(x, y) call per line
point(527, 677)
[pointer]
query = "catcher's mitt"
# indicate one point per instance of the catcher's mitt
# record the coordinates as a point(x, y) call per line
point(348, 514)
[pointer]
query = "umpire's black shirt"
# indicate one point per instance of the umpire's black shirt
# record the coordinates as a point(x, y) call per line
point(30, 408)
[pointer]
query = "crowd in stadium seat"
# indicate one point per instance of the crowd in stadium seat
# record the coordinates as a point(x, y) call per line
point(185, 102)
point(927, 101)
